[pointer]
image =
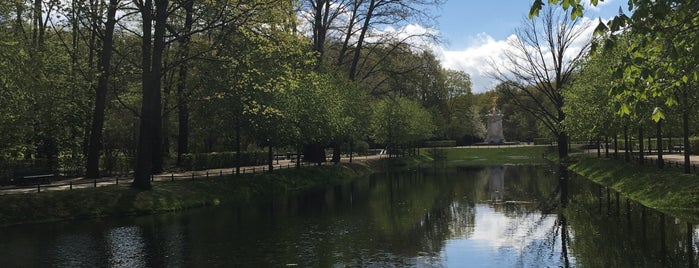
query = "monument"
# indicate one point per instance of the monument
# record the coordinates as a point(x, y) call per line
point(494, 127)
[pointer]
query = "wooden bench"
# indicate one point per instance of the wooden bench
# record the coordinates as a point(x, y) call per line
point(31, 176)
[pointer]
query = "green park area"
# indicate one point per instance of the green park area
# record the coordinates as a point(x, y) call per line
point(667, 190)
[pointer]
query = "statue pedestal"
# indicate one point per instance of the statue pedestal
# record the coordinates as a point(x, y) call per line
point(494, 133)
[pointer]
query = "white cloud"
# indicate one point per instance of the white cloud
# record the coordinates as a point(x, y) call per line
point(475, 59)
point(483, 49)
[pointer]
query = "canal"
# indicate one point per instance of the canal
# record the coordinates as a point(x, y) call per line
point(508, 216)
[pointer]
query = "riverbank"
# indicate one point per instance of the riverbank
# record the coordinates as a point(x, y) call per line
point(121, 200)
point(669, 190)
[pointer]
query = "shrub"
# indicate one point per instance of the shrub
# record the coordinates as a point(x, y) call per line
point(542, 141)
point(200, 161)
point(442, 143)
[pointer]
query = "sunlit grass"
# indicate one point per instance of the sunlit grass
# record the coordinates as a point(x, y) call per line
point(489, 156)
point(667, 190)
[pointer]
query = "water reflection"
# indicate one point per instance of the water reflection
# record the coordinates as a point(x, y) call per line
point(522, 216)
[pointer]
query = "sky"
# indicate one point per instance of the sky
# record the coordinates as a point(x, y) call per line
point(473, 32)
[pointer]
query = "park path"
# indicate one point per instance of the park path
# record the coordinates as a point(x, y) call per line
point(125, 180)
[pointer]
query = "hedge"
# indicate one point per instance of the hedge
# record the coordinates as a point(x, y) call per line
point(442, 143)
point(200, 161)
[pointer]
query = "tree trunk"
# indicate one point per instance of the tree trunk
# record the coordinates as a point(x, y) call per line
point(616, 146)
point(337, 151)
point(562, 145)
point(156, 72)
point(351, 144)
point(685, 136)
point(360, 40)
point(349, 34)
point(641, 159)
point(95, 142)
point(659, 137)
point(237, 145)
point(144, 155)
point(270, 156)
point(599, 150)
point(149, 158)
point(627, 154)
point(182, 104)
point(606, 146)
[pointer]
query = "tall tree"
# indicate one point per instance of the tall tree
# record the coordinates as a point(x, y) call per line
point(149, 153)
point(540, 63)
point(104, 73)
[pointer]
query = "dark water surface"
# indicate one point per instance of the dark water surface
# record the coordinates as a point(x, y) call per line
point(512, 216)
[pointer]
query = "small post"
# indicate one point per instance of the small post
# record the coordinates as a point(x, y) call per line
point(94, 181)
point(192, 174)
point(117, 180)
point(172, 176)
point(70, 185)
point(220, 173)
point(207, 173)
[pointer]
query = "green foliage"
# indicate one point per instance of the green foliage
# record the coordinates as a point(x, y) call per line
point(400, 121)
point(201, 161)
point(442, 143)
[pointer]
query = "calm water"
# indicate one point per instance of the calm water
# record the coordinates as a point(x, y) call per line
point(513, 216)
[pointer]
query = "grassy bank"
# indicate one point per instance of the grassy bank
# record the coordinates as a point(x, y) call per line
point(120, 200)
point(489, 156)
point(669, 191)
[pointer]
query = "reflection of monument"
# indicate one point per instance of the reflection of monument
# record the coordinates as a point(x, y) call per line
point(496, 183)
point(494, 133)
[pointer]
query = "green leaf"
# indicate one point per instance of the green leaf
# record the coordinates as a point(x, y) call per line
point(657, 114)
point(536, 6)
point(624, 109)
point(601, 28)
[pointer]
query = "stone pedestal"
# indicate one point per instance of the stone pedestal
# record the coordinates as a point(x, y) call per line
point(494, 133)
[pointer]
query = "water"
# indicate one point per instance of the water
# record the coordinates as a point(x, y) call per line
point(513, 216)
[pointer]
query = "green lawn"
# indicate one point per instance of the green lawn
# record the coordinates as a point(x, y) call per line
point(489, 156)
point(668, 190)
point(121, 200)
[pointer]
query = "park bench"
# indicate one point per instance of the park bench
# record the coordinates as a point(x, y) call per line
point(31, 176)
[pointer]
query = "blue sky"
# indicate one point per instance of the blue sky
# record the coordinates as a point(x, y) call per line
point(474, 31)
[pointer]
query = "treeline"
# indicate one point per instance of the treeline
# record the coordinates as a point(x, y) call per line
point(639, 80)
point(83, 82)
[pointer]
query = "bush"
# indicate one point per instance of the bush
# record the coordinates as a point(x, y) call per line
point(442, 143)
point(694, 145)
point(200, 161)
point(542, 141)
point(361, 147)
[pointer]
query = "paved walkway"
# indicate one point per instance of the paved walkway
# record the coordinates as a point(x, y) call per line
point(81, 182)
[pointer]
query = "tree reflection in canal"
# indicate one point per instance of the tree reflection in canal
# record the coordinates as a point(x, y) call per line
point(520, 216)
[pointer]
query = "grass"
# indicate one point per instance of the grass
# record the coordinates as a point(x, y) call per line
point(489, 156)
point(670, 191)
point(120, 200)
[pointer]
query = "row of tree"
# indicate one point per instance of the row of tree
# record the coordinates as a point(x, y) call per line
point(83, 81)
point(640, 75)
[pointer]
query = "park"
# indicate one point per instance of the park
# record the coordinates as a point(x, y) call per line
point(317, 133)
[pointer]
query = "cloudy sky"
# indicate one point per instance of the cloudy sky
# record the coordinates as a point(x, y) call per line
point(474, 32)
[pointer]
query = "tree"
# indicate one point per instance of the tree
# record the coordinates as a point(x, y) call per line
point(400, 121)
point(104, 73)
point(149, 153)
point(540, 63)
